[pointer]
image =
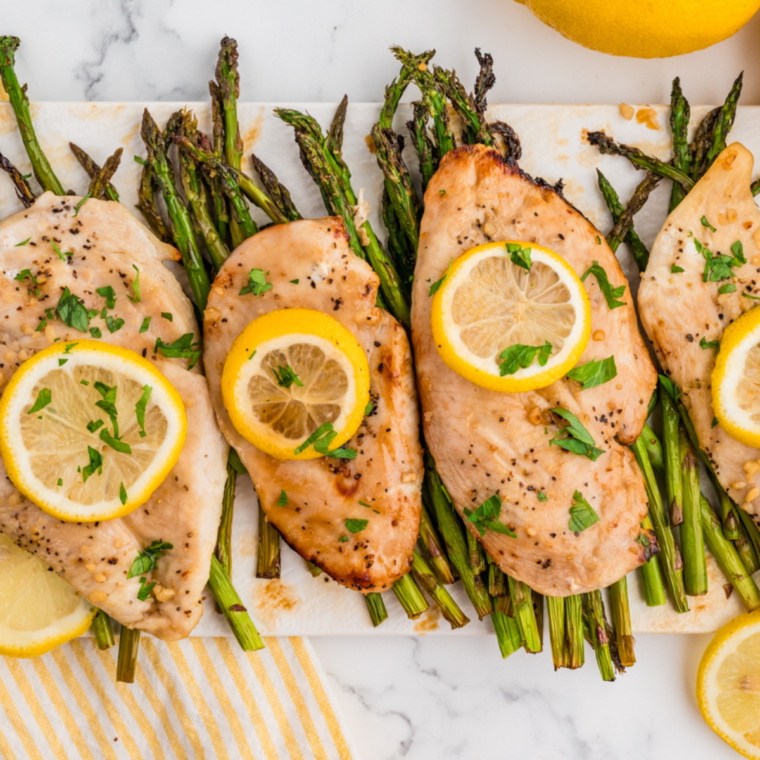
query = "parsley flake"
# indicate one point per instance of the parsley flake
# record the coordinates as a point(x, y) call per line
point(95, 465)
point(72, 311)
point(611, 295)
point(122, 493)
point(541, 496)
point(145, 588)
point(137, 297)
point(283, 500)
point(286, 376)
point(707, 224)
point(168, 316)
point(354, 525)
point(44, 397)
point(578, 440)
point(182, 348)
point(81, 203)
point(23, 242)
point(257, 283)
point(109, 294)
point(582, 514)
point(121, 446)
point(486, 517)
point(676, 269)
point(140, 408)
point(146, 560)
point(519, 356)
point(435, 287)
point(594, 372)
point(519, 256)
point(705, 344)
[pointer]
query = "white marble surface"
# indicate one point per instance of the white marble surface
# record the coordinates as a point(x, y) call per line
point(415, 698)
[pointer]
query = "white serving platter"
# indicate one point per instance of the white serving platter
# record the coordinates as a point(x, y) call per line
point(553, 148)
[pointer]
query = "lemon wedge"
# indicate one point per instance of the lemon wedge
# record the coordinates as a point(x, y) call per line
point(736, 379)
point(88, 430)
point(38, 609)
point(291, 374)
point(510, 316)
point(728, 684)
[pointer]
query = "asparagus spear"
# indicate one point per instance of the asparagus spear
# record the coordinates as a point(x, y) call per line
point(522, 599)
point(217, 119)
point(692, 539)
point(181, 226)
point(427, 153)
point(103, 631)
point(597, 630)
point(410, 597)
point(702, 143)
point(679, 127)
point(621, 622)
point(725, 121)
point(651, 576)
point(636, 202)
point(507, 633)
point(475, 127)
point(223, 549)
point(576, 652)
point(101, 182)
point(268, 555)
point(23, 191)
point(129, 645)
point(431, 547)
point(606, 145)
point(497, 581)
point(427, 579)
point(147, 204)
point(92, 169)
point(671, 424)
point(376, 608)
point(228, 82)
point(232, 607)
point(395, 90)
point(278, 193)
point(20, 104)
point(556, 607)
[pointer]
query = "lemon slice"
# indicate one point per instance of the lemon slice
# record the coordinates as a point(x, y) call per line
point(491, 316)
point(88, 430)
point(290, 373)
point(38, 609)
point(728, 684)
point(736, 379)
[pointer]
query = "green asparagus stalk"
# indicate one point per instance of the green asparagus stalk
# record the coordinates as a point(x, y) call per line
point(410, 597)
point(101, 182)
point(232, 607)
point(224, 536)
point(268, 555)
point(497, 581)
point(522, 599)
point(376, 608)
point(538, 611)
point(228, 82)
point(23, 191)
point(669, 555)
point(597, 629)
point(221, 212)
point(576, 651)
point(621, 622)
point(181, 225)
point(432, 549)
point(147, 204)
point(671, 433)
point(93, 169)
point(606, 145)
point(625, 221)
point(477, 556)
point(427, 152)
point(507, 633)
point(725, 121)
point(692, 539)
point(428, 581)
point(277, 192)
point(745, 548)
point(651, 576)
point(475, 126)
point(102, 630)
point(395, 90)
point(556, 608)
point(20, 104)
point(129, 646)
point(679, 127)
point(702, 143)
point(312, 568)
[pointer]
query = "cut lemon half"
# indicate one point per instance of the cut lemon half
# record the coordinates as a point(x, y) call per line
point(728, 684)
point(506, 327)
point(290, 373)
point(38, 609)
point(736, 379)
point(88, 431)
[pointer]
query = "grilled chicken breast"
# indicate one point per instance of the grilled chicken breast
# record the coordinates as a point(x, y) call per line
point(679, 311)
point(486, 442)
point(310, 265)
point(101, 245)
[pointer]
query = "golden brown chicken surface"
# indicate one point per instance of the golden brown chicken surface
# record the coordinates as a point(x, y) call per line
point(486, 442)
point(99, 245)
point(311, 266)
point(683, 315)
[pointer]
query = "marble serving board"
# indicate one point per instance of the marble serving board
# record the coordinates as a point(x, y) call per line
point(553, 148)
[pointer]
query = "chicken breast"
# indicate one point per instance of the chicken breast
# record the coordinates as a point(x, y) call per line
point(486, 442)
point(682, 314)
point(310, 265)
point(100, 245)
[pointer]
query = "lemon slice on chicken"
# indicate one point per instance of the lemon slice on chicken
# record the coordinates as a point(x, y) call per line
point(294, 377)
point(728, 684)
point(38, 609)
point(510, 316)
point(88, 430)
point(736, 379)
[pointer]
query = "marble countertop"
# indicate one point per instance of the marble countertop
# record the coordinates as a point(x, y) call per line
point(413, 698)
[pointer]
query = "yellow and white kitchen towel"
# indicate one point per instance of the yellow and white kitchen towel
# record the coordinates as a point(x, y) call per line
point(197, 698)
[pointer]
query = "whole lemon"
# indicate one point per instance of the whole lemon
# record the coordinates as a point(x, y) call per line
point(645, 28)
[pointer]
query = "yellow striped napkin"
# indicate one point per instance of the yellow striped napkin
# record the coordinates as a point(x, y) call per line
point(197, 698)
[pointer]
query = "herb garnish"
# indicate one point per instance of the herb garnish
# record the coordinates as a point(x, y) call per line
point(707, 224)
point(705, 344)
point(670, 387)
point(283, 500)
point(519, 256)
point(578, 439)
point(136, 298)
point(517, 356)
point(23, 242)
point(286, 376)
point(93, 425)
point(121, 446)
point(541, 496)
point(81, 203)
point(168, 316)
point(582, 514)
point(72, 311)
point(486, 517)
point(182, 348)
point(321, 438)
point(594, 372)
point(676, 269)
point(96, 332)
point(95, 465)
point(435, 287)
point(44, 397)
point(140, 408)
point(145, 324)
point(34, 287)
point(257, 283)
point(108, 403)
point(59, 252)
point(122, 494)
point(611, 295)
point(109, 294)
point(355, 525)
point(145, 588)
point(718, 266)
point(114, 325)
point(146, 560)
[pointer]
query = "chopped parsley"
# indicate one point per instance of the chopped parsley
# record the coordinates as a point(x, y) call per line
point(96, 332)
point(109, 294)
point(294, 282)
point(705, 344)
point(354, 525)
point(486, 517)
point(168, 316)
point(729, 287)
point(435, 287)
point(23, 242)
point(582, 514)
point(145, 588)
point(95, 465)
point(343, 539)
point(714, 422)
point(519, 256)
point(60, 481)
point(108, 403)
point(519, 356)
point(44, 397)
point(136, 298)
point(257, 283)
point(140, 408)
point(541, 496)
point(368, 409)
point(72, 311)
point(748, 295)
point(81, 203)
point(594, 372)
point(182, 348)
point(114, 324)
point(146, 560)
point(253, 353)
point(369, 506)
point(321, 438)
point(34, 286)
point(61, 362)
point(145, 324)
point(676, 269)
point(611, 295)
point(122, 493)
point(578, 439)
point(719, 266)
point(707, 224)
point(286, 376)
point(121, 446)
point(61, 255)
point(283, 500)
point(93, 425)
